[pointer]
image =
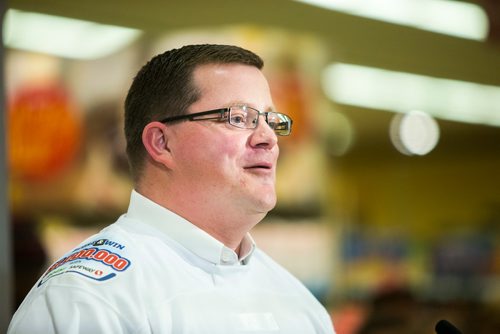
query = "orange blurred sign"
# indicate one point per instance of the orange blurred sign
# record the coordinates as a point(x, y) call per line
point(44, 132)
point(290, 96)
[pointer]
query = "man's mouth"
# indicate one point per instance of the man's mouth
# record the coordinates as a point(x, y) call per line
point(260, 166)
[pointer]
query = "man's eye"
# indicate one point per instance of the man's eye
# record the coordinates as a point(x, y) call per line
point(238, 119)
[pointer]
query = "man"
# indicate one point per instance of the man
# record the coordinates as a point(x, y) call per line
point(202, 144)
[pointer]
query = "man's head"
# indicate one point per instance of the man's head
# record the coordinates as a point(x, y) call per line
point(164, 87)
point(216, 168)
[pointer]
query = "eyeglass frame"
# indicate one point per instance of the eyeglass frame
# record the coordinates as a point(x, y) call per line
point(222, 117)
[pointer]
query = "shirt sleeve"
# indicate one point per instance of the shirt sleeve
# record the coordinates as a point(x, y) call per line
point(69, 310)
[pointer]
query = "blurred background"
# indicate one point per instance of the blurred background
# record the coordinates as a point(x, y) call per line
point(389, 187)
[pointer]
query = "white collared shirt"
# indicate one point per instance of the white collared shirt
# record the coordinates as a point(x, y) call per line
point(154, 272)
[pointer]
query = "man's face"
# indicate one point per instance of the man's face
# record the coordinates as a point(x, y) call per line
point(229, 168)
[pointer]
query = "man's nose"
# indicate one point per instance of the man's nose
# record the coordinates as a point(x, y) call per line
point(263, 135)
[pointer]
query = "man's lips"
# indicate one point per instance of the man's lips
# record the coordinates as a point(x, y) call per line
point(260, 165)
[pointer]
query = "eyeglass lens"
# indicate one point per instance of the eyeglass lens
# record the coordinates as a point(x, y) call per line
point(246, 117)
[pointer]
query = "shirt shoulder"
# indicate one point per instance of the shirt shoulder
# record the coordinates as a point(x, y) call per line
point(125, 256)
point(101, 258)
point(287, 283)
point(93, 286)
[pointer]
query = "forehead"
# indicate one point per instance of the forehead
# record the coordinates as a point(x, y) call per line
point(224, 84)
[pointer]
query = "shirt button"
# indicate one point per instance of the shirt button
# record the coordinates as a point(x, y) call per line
point(226, 257)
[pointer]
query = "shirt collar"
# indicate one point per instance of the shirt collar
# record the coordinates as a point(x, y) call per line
point(187, 234)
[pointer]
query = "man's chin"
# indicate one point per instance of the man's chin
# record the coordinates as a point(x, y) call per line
point(267, 204)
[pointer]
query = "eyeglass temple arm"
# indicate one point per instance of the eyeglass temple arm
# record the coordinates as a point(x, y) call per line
point(193, 116)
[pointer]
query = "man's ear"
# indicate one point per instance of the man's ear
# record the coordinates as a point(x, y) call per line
point(155, 140)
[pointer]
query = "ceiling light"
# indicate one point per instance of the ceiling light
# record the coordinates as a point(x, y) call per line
point(455, 18)
point(399, 92)
point(64, 37)
point(414, 133)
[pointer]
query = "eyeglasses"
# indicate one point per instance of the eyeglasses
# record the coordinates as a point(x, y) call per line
point(240, 116)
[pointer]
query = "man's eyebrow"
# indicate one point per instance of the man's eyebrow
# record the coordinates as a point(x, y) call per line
point(251, 105)
point(239, 103)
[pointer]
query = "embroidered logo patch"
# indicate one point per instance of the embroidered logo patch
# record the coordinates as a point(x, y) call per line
point(90, 261)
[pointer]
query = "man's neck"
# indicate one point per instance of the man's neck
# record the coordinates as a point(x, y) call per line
point(227, 226)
